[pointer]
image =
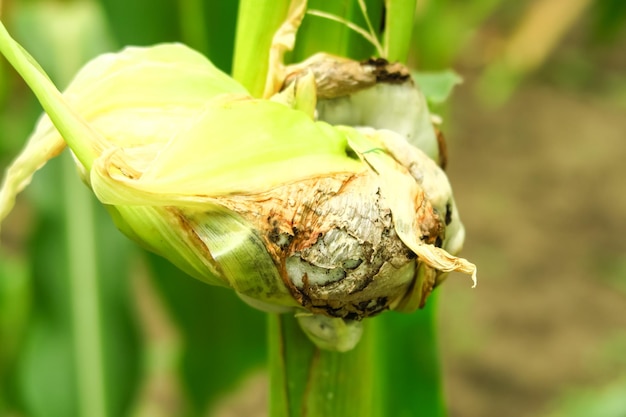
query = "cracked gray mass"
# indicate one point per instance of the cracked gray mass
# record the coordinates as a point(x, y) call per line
point(336, 248)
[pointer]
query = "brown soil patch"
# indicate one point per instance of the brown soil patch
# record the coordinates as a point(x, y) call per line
point(541, 185)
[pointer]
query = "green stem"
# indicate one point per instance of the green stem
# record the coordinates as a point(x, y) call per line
point(257, 21)
point(82, 261)
point(308, 381)
point(407, 357)
point(399, 22)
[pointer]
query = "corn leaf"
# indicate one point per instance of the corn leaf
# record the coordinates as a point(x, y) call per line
point(437, 86)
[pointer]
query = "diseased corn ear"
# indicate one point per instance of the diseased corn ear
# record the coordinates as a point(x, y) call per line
point(280, 198)
point(334, 243)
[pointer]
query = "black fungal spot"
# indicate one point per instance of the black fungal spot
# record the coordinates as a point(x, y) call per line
point(351, 264)
point(282, 240)
point(381, 303)
point(383, 75)
point(375, 62)
point(448, 217)
point(363, 305)
point(334, 282)
point(352, 316)
point(274, 235)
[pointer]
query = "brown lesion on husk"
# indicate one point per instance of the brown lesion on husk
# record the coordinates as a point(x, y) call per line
point(337, 76)
point(193, 240)
point(443, 148)
point(387, 72)
point(334, 242)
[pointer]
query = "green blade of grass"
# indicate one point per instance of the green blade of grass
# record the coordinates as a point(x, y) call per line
point(85, 298)
point(320, 34)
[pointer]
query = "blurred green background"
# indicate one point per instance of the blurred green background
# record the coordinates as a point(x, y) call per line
point(536, 137)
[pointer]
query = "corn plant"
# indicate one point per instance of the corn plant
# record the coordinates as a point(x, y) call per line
point(309, 182)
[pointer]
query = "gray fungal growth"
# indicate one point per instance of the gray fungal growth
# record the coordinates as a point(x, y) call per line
point(343, 258)
point(305, 274)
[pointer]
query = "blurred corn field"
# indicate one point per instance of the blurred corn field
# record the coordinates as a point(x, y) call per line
point(91, 325)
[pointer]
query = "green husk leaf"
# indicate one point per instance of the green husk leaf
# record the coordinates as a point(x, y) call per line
point(168, 81)
point(253, 146)
point(241, 256)
point(157, 229)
